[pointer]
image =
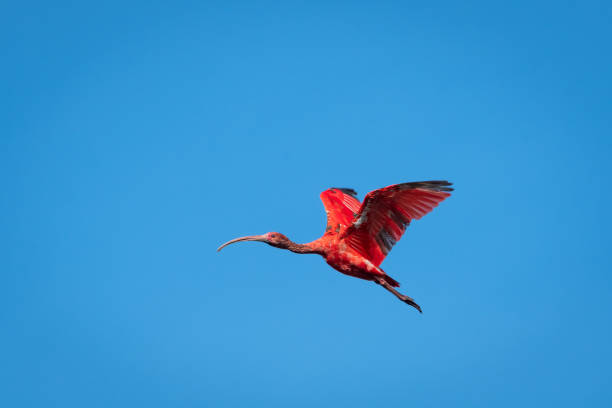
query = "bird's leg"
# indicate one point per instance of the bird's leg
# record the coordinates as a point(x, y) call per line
point(406, 299)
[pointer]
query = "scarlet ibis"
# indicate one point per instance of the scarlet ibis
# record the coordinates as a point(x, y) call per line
point(358, 235)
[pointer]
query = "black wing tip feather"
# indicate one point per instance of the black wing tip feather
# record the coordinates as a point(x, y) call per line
point(348, 191)
point(433, 185)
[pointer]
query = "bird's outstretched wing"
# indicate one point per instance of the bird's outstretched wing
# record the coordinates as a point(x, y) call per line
point(385, 213)
point(341, 207)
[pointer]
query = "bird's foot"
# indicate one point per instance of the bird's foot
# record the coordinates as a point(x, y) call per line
point(406, 299)
point(409, 301)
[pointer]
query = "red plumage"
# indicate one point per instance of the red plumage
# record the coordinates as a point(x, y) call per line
point(358, 236)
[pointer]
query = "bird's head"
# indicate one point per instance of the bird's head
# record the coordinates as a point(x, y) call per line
point(276, 239)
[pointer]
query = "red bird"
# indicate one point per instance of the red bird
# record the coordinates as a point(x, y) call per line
point(358, 236)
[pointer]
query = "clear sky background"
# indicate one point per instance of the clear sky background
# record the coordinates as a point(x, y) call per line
point(135, 138)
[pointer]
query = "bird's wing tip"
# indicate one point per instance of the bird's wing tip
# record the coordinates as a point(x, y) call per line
point(346, 190)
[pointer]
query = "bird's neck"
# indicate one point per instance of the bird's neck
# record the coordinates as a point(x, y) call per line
point(302, 248)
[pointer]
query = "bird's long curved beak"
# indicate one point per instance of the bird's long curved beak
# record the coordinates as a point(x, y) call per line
point(261, 238)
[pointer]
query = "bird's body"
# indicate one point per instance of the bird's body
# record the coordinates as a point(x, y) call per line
point(346, 260)
point(358, 236)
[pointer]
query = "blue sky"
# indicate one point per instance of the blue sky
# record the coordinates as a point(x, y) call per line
point(138, 137)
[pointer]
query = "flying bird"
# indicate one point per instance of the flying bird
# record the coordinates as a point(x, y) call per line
point(358, 236)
